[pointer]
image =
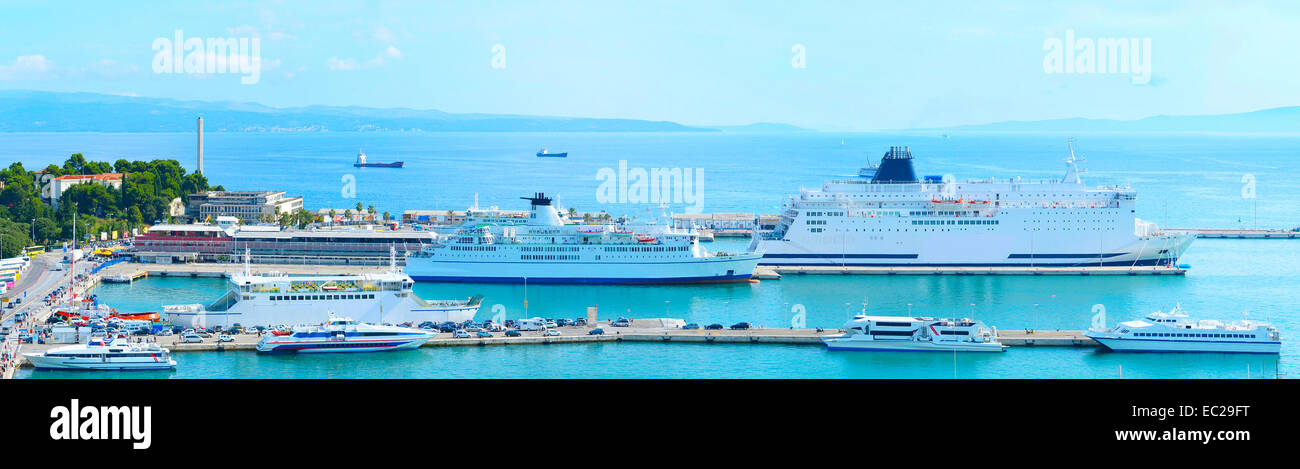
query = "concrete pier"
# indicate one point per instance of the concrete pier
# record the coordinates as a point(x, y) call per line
point(642, 330)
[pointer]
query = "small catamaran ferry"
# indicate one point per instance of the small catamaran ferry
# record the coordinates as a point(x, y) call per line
point(344, 335)
point(1175, 332)
point(548, 247)
point(272, 299)
point(903, 333)
point(99, 354)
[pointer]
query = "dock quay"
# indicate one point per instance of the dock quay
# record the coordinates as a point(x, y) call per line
point(194, 270)
point(773, 272)
point(641, 330)
point(1233, 233)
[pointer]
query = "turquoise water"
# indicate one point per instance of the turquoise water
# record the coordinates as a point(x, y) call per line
point(1182, 180)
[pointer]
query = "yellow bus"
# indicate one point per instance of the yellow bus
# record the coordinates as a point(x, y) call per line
point(30, 251)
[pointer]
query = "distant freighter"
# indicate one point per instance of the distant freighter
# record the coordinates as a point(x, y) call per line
point(361, 163)
point(544, 153)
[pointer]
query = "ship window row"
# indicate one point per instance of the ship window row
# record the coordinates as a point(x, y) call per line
point(550, 249)
point(1194, 334)
point(358, 296)
point(645, 248)
point(954, 222)
point(549, 257)
point(816, 222)
point(473, 248)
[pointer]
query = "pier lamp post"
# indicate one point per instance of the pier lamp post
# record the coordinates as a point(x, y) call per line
point(666, 313)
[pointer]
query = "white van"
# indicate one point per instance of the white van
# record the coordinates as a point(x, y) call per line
point(533, 324)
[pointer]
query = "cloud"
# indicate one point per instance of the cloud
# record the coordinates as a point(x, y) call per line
point(345, 65)
point(27, 67)
point(382, 33)
point(348, 65)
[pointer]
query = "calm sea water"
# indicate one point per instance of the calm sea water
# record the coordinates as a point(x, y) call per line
point(1182, 180)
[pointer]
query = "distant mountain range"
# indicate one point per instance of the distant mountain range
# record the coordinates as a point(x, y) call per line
point(40, 111)
point(1281, 119)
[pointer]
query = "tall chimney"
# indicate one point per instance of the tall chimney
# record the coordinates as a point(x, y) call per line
point(200, 171)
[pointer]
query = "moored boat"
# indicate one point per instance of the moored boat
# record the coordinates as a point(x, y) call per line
point(100, 354)
point(1175, 332)
point(904, 333)
point(343, 335)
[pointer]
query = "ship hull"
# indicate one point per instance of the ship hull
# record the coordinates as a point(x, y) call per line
point(976, 251)
point(396, 164)
point(841, 344)
point(707, 270)
point(1116, 344)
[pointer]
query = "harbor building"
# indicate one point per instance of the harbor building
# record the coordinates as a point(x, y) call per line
point(246, 205)
point(267, 244)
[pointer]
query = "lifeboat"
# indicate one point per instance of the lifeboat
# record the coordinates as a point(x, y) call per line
point(620, 232)
point(277, 332)
point(591, 230)
point(646, 239)
point(149, 316)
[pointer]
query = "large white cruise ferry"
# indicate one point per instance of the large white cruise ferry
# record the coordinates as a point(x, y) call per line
point(548, 247)
point(917, 334)
point(275, 299)
point(1175, 332)
point(894, 219)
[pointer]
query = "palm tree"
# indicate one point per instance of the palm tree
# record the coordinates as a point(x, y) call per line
point(387, 216)
point(332, 216)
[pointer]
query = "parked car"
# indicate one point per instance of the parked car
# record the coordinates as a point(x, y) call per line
point(621, 322)
point(428, 325)
point(448, 327)
point(596, 331)
point(191, 338)
point(550, 324)
point(562, 322)
point(484, 333)
point(460, 334)
point(715, 326)
point(225, 338)
point(740, 326)
point(691, 326)
point(513, 333)
point(579, 322)
point(551, 333)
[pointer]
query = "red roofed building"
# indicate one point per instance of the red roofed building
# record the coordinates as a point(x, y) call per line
point(55, 188)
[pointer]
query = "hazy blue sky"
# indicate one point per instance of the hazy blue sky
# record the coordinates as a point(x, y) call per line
point(868, 65)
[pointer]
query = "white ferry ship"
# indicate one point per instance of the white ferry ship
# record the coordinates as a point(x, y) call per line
point(273, 299)
point(548, 247)
point(1174, 332)
point(344, 335)
point(99, 354)
point(903, 333)
point(893, 219)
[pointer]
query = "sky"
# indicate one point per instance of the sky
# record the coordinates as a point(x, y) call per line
point(829, 65)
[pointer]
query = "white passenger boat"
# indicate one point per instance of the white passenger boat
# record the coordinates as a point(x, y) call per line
point(895, 219)
point(344, 335)
point(903, 333)
point(269, 299)
point(1175, 332)
point(99, 354)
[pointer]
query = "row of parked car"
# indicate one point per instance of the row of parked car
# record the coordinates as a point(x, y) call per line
point(740, 326)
